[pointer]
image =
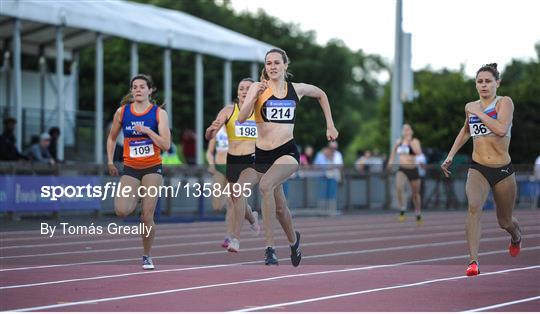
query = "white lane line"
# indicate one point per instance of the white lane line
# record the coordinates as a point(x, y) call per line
point(256, 249)
point(414, 284)
point(138, 295)
point(230, 265)
point(318, 235)
point(496, 306)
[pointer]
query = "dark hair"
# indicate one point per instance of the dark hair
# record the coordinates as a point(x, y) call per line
point(491, 68)
point(128, 98)
point(9, 120)
point(54, 130)
point(264, 75)
point(245, 79)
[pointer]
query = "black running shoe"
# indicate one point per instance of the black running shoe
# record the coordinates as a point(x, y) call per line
point(270, 257)
point(296, 255)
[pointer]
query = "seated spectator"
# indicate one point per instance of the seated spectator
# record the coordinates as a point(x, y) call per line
point(362, 164)
point(306, 158)
point(8, 148)
point(54, 132)
point(39, 152)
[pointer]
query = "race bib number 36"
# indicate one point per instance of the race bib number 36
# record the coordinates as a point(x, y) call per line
point(246, 129)
point(476, 127)
point(142, 148)
point(280, 110)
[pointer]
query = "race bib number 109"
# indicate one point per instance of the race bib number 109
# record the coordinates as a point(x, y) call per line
point(142, 148)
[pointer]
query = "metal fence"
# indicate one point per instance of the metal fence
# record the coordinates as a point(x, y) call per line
point(310, 191)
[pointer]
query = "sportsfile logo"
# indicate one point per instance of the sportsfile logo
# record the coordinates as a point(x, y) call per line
point(112, 189)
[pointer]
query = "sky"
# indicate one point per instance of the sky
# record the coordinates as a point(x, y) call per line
point(445, 34)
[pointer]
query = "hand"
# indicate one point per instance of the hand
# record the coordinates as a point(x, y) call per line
point(388, 166)
point(445, 165)
point(113, 171)
point(474, 108)
point(262, 87)
point(212, 130)
point(212, 169)
point(332, 133)
point(142, 129)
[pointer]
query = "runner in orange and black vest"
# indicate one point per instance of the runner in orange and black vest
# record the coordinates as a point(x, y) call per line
point(145, 127)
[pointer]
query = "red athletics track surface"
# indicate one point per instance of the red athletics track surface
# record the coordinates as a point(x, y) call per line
point(350, 263)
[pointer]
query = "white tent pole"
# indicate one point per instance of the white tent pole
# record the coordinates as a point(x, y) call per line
point(396, 113)
point(227, 80)
point(167, 79)
point(98, 143)
point(134, 59)
point(17, 81)
point(61, 104)
point(255, 71)
point(42, 84)
point(199, 89)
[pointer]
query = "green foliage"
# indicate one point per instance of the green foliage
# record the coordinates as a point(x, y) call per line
point(360, 104)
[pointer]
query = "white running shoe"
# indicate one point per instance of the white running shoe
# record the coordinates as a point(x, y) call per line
point(234, 246)
point(147, 263)
point(255, 227)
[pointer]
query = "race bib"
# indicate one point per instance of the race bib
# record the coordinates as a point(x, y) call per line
point(246, 129)
point(141, 148)
point(477, 128)
point(280, 110)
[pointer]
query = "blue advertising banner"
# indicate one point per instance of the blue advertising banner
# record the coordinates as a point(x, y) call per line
point(23, 193)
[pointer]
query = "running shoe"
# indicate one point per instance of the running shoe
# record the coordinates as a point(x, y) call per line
point(515, 247)
point(296, 254)
point(401, 217)
point(234, 246)
point(472, 269)
point(255, 227)
point(147, 263)
point(226, 242)
point(270, 257)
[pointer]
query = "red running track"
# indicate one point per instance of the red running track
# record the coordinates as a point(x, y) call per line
point(351, 263)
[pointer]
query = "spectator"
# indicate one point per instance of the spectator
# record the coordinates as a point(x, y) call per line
point(376, 162)
point(362, 164)
point(331, 159)
point(54, 132)
point(306, 158)
point(170, 157)
point(188, 146)
point(8, 149)
point(39, 152)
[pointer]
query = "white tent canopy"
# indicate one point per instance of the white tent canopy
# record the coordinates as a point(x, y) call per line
point(60, 28)
point(140, 23)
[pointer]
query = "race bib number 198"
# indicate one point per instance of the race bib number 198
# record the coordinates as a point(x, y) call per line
point(246, 129)
point(142, 148)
